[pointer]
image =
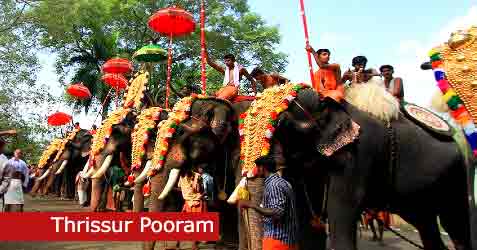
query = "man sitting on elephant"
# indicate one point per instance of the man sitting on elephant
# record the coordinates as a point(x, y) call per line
point(233, 73)
point(278, 208)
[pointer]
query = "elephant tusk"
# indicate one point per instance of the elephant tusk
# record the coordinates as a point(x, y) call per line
point(143, 174)
point(171, 182)
point(45, 174)
point(234, 196)
point(62, 167)
point(89, 173)
point(104, 167)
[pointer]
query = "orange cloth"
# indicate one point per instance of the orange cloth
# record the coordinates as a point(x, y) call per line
point(327, 84)
point(272, 244)
point(194, 207)
point(381, 215)
point(228, 92)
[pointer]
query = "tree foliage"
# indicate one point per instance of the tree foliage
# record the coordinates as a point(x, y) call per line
point(19, 95)
point(85, 33)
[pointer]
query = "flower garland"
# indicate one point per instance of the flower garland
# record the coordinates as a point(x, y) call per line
point(50, 150)
point(100, 139)
point(167, 128)
point(455, 80)
point(147, 122)
point(135, 91)
point(62, 146)
point(257, 124)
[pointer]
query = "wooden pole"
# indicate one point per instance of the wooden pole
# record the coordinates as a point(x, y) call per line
point(307, 41)
point(169, 71)
point(202, 43)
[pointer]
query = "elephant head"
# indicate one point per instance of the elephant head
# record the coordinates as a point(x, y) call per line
point(66, 162)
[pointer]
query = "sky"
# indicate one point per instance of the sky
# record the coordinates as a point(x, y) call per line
point(399, 33)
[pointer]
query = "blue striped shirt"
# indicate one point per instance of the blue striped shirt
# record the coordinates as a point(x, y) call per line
point(278, 195)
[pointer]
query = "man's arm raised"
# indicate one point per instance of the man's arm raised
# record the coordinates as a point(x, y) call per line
point(244, 72)
point(213, 64)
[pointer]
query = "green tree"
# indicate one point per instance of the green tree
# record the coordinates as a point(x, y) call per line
point(85, 33)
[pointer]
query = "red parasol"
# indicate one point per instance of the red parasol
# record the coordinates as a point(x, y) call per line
point(59, 119)
point(117, 65)
point(79, 91)
point(171, 22)
point(117, 81)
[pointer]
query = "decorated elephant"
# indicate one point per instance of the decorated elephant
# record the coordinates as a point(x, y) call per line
point(198, 131)
point(65, 158)
point(372, 159)
point(112, 145)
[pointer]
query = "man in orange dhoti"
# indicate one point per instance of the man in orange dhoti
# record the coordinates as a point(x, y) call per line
point(328, 76)
point(193, 194)
point(233, 73)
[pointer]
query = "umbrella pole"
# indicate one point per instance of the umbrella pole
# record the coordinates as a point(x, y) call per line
point(307, 41)
point(202, 38)
point(169, 69)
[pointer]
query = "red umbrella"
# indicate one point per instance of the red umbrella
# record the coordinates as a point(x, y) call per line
point(171, 22)
point(59, 119)
point(116, 81)
point(79, 91)
point(117, 65)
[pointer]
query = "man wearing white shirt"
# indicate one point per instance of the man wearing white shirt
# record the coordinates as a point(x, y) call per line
point(20, 175)
point(3, 181)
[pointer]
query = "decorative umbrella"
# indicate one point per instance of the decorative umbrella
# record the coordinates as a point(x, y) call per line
point(116, 81)
point(59, 119)
point(171, 22)
point(79, 91)
point(117, 65)
point(151, 53)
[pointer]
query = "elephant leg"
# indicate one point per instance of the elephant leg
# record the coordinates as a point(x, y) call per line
point(50, 180)
point(243, 231)
point(426, 225)
point(343, 211)
point(36, 187)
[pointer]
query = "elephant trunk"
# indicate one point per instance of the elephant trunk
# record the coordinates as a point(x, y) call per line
point(142, 176)
point(44, 175)
point(171, 182)
point(62, 167)
point(104, 167)
point(88, 174)
point(85, 169)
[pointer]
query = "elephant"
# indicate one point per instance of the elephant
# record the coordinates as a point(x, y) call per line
point(63, 171)
point(204, 138)
point(400, 168)
point(117, 151)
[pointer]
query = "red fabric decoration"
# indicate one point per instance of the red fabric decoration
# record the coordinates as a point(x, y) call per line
point(116, 81)
point(59, 119)
point(172, 21)
point(79, 91)
point(117, 65)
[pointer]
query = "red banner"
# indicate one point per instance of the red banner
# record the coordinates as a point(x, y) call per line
point(83, 226)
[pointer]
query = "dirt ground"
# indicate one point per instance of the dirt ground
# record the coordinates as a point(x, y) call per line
point(391, 241)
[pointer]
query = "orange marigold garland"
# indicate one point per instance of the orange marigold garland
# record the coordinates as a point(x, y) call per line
point(100, 139)
point(167, 128)
point(257, 124)
point(135, 91)
point(146, 122)
point(50, 150)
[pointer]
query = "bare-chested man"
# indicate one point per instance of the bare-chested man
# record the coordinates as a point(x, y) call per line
point(328, 76)
point(268, 80)
point(233, 73)
point(359, 74)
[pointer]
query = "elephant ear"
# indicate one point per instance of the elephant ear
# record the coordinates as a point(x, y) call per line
point(337, 129)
